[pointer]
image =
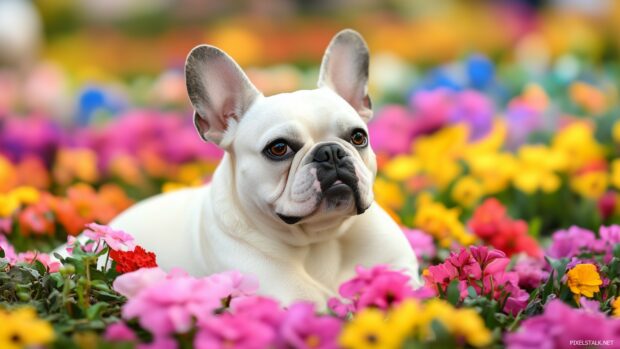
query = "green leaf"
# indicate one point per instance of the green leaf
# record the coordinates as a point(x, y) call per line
point(548, 288)
point(96, 309)
point(453, 293)
point(471, 292)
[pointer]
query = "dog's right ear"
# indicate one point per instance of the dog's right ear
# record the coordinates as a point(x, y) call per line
point(218, 90)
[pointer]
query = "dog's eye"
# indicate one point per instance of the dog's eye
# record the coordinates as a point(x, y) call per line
point(278, 150)
point(359, 138)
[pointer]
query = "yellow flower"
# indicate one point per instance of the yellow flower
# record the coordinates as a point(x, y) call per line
point(369, 330)
point(591, 185)
point(578, 144)
point(616, 306)
point(410, 319)
point(441, 222)
point(388, 194)
point(8, 205)
point(21, 328)
point(615, 132)
point(405, 317)
point(615, 173)
point(536, 169)
point(467, 191)
point(26, 195)
point(493, 170)
point(584, 280)
point(401, 168)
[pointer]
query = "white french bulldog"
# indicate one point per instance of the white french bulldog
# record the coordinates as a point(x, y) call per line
point(291, 201)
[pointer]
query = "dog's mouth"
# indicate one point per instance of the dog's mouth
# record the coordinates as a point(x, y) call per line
point(337, 196)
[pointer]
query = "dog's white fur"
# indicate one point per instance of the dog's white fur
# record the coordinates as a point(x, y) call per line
point(233, 222)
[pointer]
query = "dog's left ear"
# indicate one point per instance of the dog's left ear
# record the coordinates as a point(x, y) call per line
point(345, 70)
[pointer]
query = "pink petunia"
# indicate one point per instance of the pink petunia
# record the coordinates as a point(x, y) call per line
point(116, 239)
point(119, 332)
point(228, 331)
point(303, 329)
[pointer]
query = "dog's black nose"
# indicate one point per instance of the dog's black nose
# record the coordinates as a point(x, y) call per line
point(329, 153)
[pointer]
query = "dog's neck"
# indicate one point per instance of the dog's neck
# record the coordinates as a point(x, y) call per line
point(262, 226)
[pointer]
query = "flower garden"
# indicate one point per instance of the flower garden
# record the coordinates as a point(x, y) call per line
point(504, 173)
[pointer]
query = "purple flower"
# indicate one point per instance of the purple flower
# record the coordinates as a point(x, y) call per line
point(531, 272)
point(560, 325)
point(569, 243)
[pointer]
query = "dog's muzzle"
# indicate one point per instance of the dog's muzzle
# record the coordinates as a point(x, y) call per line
point(336, 174)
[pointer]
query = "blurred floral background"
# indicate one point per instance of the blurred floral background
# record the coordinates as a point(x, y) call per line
point(496, 127)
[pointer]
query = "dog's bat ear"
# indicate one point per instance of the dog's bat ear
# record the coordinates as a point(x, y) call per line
point(218, 90)
point(345, 70)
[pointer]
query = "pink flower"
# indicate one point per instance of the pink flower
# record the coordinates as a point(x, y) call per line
point(170, 305)
point(531, 272)
point(392, 130)
point(228, 331)
point(441, 274)
point(421, 243)
point(130, 284)
point(160, 342)
point(265, 310)
point(119, 332)
point(88, 247)
point(30, 256)
point(116, 239)
point(377, 287)
point(238, 284)
point(9, 251)
point(167, 304)
point(303, 329)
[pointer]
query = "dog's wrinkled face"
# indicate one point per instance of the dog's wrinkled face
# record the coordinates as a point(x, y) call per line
point(301, 157)
point(306, 155)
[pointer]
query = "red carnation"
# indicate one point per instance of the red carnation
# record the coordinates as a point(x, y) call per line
point(133, 260)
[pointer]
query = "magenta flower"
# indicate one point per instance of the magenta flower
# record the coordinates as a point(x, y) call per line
point(372, 287)
point(303, 329)
point(531, 272)
point(441, 274)
point(482, 269)
point(569, 243)
point(119, 332)
point(167, 304)
point(116, 239)
point(265, 310)
point(392, 130)
point(228, 331)
point(560, 326)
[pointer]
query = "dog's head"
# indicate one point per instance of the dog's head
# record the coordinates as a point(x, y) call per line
point(301, 157)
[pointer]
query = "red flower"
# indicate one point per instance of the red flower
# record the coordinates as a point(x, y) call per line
point(492, 224)
point(133, 260)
